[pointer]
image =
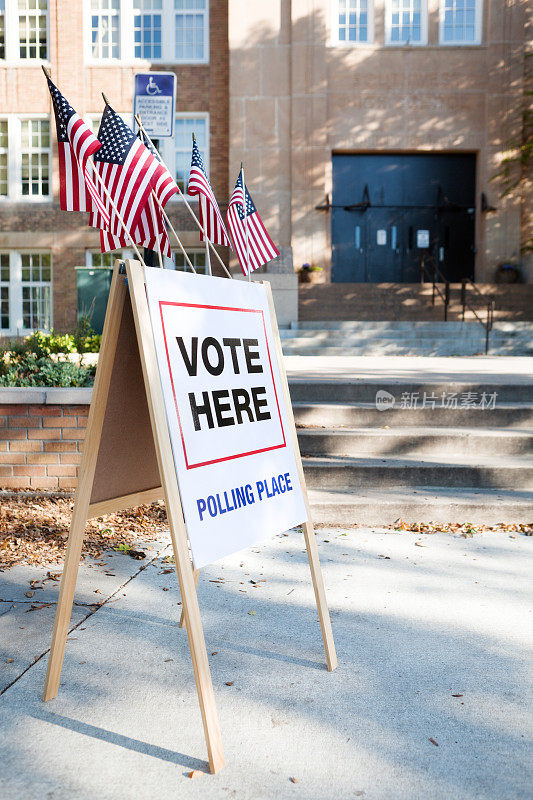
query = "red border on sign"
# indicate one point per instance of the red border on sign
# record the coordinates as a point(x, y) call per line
point(219, 308)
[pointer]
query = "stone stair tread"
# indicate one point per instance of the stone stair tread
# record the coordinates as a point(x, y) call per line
point(424, 494)
point(297, 404)
point(413, 432)
point(390, 462)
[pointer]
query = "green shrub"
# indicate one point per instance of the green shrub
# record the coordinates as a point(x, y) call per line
point(28, 369)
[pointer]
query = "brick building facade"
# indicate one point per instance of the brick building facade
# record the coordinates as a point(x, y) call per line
point(313, 94)
point(93, 46)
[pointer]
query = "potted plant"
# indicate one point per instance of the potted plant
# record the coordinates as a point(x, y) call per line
point(308, 273)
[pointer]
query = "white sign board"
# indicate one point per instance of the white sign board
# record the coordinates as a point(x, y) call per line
point(381, 237)
point(422, 238)
point(225, 407)
point(154, 99)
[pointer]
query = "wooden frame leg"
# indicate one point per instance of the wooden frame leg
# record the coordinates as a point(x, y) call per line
point(93, 433)
point(309, 532)
point(320, 594)
point(178, 531)
point(196, 579)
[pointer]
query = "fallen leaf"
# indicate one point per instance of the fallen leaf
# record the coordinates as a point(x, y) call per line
point(30, 594)
point(457, 695)
point(194, 773)
point(138, 554)
point(293, 780)
point(214, 653)
point(9, 660)
point(165, 588)
point(252, 613)
point(432, 740)
point(229, 683)
point(168, 659)
point(419, 544)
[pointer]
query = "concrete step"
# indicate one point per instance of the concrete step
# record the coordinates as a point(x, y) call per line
point(360, 415)
point(446, 347)
point(324, 390)
point(355, 326)
point(462, 471)
point(371, 506)
point(412, 442)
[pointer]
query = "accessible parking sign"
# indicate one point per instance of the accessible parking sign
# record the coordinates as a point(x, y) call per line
point(154, 100)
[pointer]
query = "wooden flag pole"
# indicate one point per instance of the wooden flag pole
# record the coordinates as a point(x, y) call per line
point(156, 198)
point(115, 209)
point(245, 223)
point(206, 238)
point(152, 207)
point(187, 206)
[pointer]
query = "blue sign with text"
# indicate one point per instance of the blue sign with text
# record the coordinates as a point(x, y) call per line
point(154, 101)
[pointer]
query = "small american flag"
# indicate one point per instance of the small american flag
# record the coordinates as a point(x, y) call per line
point(127, 169)
point(75, 143)
point(250, 237)
point(150, 233)
point(210, 216)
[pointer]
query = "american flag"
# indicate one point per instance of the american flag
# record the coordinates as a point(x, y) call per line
point(128, 171)
point(150, 233)
point(75, 142)
point(250, 237)
point(210, 216)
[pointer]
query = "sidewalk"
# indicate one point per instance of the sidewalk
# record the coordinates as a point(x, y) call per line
point(417, 619)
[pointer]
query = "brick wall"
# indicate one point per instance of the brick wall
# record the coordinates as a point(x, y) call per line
point(40, 445)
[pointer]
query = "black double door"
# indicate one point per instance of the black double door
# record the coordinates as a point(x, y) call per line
point(392, 211)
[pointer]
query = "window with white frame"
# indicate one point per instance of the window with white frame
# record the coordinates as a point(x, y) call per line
point(196, 257)
point(354, 21)
point(460, 21)
point(35, 157)
point(191, 30)
point(24, 31)
point(185, 126)
point(406, 22)
point(36, 291)
point(147, 29)
point(25, 158)
point(169, 31)
point(4, 292)
point(105, 29)
point(25, 292)
point(33, 29)
point(94, 258)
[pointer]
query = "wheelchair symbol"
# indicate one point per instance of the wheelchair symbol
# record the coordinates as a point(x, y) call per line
point(152, 88)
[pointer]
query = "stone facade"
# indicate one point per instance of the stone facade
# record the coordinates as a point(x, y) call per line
point(296, 98)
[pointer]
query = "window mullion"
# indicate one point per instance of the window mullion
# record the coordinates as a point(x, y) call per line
point(11, 31)
point(127, 50)
point(168, 32)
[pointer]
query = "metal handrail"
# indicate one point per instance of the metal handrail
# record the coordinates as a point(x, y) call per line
point(488, 324)
point(434, 273)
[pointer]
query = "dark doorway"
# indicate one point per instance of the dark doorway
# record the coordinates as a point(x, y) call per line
point(391, 211)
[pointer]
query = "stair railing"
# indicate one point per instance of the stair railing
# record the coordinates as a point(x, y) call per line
point(489, 321)
point(428, 267)
point(434, 274)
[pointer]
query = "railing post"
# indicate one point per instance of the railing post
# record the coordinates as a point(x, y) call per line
point(463, 296)
point(446, 300)
point(434, 280)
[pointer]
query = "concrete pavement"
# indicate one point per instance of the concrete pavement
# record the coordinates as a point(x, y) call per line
point(417, 620)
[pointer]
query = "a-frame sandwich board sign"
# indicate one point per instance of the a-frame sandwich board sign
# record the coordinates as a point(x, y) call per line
point(129, 455)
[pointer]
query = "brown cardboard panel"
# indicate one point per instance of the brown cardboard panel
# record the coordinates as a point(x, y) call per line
point(127, 461)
